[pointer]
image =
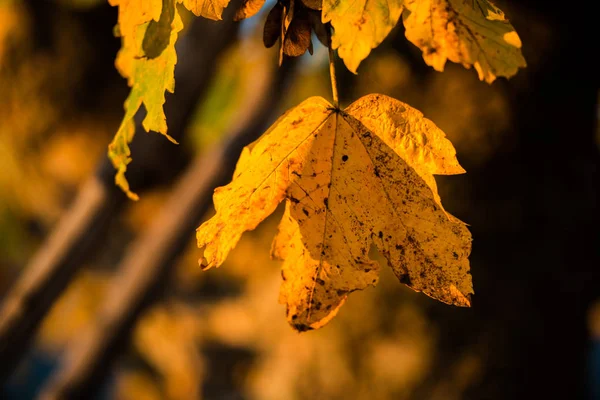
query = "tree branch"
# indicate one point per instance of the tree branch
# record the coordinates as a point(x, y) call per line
point(144, 270)
point(84, 225)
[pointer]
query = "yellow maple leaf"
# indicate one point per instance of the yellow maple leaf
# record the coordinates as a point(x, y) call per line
point(359, 26)
point(470, 32)
point(351, 179)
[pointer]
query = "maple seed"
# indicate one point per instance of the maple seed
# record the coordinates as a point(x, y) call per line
point(324, 240)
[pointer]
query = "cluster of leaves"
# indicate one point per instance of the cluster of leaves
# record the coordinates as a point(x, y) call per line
point(351, 179)
point(474, 33)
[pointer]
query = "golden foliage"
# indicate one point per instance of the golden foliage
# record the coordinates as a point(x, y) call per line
point(147, 59)
point(352, 179)
point(211, 9)
point(359, 26)
point(469, 32)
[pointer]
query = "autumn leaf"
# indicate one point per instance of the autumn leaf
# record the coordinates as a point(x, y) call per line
point(211, 9)
point(149, 67)
point(351, 179)
point(149, 31)
point(248, 9)
point(469, 32)
point(359, 26)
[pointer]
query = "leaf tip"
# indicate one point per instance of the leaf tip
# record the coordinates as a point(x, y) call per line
point(203, 263)
point(513, 39)
point(122, 182)
point(459, 298)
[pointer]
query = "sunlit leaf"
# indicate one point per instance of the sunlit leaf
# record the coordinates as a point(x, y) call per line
point(211, 9)
point(360, 26)
point(352, 179)
point(469, 32)
point(149, 66)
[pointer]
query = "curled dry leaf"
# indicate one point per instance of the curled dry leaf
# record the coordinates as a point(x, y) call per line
point(272, 28)
point(293, 22)
point(297, 36)
point(469, 32)
point(351, 179)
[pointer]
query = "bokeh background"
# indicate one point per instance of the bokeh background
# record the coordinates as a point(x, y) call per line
point(136, 318)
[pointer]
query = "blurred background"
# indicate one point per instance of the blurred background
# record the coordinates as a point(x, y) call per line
point(112, 303)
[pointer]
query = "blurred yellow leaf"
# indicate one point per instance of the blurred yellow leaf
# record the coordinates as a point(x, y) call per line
point(469, 32)
point(136, 385)
point(75, 310)
point(352, 179)
point(166, 337)
point(360, 26)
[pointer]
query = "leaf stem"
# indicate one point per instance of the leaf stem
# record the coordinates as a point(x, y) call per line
point(336, 102)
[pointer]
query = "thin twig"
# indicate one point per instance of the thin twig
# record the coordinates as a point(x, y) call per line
point(334, 89)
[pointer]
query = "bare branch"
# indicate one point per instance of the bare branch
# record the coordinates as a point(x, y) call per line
point(146, 265)
point(83, 227)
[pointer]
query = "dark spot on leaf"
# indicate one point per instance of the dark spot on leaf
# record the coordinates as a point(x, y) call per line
point(380, 235)
point(320, 281)
point(344, 158)
point(294, 200)
point(302, 327)
point(405, 279)
point(305, 211)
